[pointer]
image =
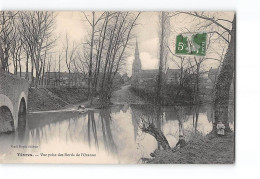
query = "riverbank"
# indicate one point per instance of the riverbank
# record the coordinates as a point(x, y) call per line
point(43, 99)
point(168, 95)
point(201, 150)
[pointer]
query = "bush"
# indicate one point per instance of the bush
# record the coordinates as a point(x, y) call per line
point(172, 94)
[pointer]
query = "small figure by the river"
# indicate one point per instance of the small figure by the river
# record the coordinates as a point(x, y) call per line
point(220, 129)
point(181, 143)
point(82, 108)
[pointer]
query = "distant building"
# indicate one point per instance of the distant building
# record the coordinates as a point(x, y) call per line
point(140, 76)
point(64, 79)
point(53, 79)
point(147, 75)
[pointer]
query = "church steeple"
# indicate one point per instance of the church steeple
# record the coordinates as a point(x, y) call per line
point(137, 67)
point(136, 50)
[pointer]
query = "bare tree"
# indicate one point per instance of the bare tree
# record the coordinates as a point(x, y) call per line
point(226, 30)
point(69, 55)
point(16, 49)
point(108, 41)
point(59, 65)
point(163, 36)
point(37, 31)
point(93, 22)
point(7, 36)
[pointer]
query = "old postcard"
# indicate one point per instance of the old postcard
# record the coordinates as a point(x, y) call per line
point(117, 87)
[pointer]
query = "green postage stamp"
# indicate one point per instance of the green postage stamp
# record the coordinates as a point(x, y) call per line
point(191, 44)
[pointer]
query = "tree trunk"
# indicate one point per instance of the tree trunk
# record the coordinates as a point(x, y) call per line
point(91, 60)
point(196, 97)
point(32, 71)
point(20, 67)
point(159, 80)
point(1, 56)
point(224, 82)
point(158, 135)
point(27, 66)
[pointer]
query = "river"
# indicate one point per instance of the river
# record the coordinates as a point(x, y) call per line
point(110, 135)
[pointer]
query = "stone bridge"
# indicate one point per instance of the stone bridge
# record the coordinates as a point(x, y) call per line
point(13, 102)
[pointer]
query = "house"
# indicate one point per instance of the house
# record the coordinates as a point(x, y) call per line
point(64, 79)
point(148, 75)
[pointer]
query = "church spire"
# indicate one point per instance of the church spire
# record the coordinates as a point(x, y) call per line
point(137, 66)
point(136, 50)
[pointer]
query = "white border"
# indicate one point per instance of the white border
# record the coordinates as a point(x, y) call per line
point(247, 95)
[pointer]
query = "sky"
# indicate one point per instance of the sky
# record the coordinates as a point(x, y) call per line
point(146, 32)
point(146, 35)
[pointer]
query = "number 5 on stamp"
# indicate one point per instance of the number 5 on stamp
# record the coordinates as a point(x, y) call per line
point(191, 44)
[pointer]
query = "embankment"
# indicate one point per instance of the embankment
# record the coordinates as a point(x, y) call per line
point(169, 95)
point(202, 150)
point(43, 99)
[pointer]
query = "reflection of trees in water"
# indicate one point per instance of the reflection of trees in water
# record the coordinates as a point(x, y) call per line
point(8, 135)
point(72, 128)
point(6, 140)
point(47, 131)
point(180, 113)
point(37, 136)
point(210, 114)
point(149, 119)
point(92, 124)
point(147, 113)
point(105, 119)
point(181, 117)
point(81, 127)
point(105, 116)
point(171, 113)
point(195, 117)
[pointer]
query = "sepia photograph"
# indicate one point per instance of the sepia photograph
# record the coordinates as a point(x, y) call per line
point(117, 87)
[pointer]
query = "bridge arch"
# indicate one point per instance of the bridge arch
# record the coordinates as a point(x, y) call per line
point(22, 96)
point(6, 114)
point(5, 101)
point(22, 124)
point(13, 97)
point(13, 117)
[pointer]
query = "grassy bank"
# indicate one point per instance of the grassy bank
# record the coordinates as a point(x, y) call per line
point(168, 95)
point(71, 95)
point(201, 150)
point(43, 99)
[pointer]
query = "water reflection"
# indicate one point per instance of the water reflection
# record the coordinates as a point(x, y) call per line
point(113, 134)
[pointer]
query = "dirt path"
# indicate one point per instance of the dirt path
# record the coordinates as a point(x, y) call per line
point(124, 95)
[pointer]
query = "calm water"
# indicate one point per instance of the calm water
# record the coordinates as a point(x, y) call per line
point(112, 135)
